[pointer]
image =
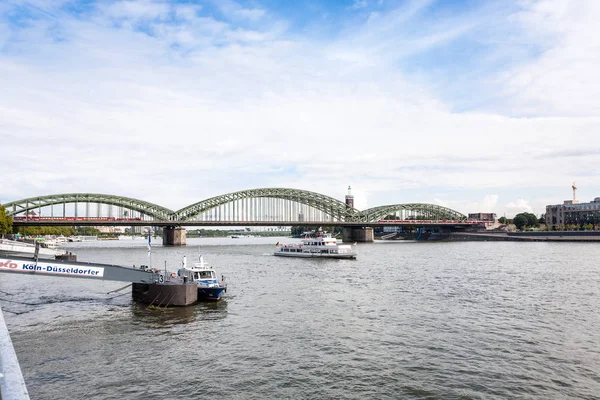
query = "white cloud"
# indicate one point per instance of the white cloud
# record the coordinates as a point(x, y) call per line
point(251, 14)
point(561, 80)
point(358, 4)
point(234, 10)
point(441, 202)
point(138, 10)
point(188, 11)
point(204, 107)
point(488, 204)
point(519, 206)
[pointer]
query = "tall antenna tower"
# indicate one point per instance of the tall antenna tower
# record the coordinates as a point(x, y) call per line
point(574, 193)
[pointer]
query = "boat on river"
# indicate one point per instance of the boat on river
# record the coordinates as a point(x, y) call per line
point(209, 287)
point(318, 245)
point(82, 238)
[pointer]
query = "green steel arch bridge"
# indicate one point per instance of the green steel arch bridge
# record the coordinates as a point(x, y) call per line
point(253, 207)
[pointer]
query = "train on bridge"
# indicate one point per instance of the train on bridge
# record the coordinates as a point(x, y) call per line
point(427, 221)
point(99, 219)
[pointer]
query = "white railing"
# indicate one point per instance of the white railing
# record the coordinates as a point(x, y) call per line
point(13, 246)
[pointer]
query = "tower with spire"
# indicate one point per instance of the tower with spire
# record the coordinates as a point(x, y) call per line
point(349, 198)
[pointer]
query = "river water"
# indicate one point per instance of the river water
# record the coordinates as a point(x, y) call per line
point(468, 320)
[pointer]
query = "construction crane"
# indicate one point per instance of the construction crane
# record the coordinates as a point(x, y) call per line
point(574, 192)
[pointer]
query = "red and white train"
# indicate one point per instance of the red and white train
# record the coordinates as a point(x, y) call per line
point(99, 219)
point(427, 221)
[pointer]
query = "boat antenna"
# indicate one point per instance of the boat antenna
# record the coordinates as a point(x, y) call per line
point(149, 250)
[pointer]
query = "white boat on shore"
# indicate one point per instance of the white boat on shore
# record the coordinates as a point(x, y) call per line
point(319, 245)
point(82, 238)
point(131, 237)
point(17, 248)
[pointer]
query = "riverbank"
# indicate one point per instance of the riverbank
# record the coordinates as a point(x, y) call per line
point(567, 236)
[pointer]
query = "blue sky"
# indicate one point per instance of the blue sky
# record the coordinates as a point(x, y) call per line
point(475, 105)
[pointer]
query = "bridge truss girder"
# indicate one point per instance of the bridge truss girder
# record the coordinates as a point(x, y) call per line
point(333, 207)
point(328, 205)
point(31, 204)
point(428, 211)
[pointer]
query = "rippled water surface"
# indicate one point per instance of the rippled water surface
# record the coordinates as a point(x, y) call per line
point(406, 320)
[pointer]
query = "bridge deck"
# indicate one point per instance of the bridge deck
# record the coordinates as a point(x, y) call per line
point(96, 222)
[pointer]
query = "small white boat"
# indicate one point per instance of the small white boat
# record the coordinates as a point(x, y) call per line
point(82, 238)
point(321, 245)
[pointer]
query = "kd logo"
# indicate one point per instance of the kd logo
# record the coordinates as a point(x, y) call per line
point(8, 264)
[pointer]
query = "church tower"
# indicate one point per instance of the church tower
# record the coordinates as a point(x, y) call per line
point(349, 199)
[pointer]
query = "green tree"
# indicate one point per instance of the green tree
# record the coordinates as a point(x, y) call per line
point(532, 220)
point(297, 231)
point(88, 231)
point(520, 221)
point(6, 222)
point(503, 220)
point(46, 230)
point(525, 219)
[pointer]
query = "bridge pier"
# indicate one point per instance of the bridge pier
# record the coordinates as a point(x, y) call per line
point(358, 234)
point(173, 236)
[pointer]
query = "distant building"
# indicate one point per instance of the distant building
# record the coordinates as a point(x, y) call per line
point(110, 229)
point(573, 212)
point(484, 217)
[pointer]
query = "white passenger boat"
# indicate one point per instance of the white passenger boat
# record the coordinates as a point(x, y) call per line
point(82, 238)
point(13, 247)
point(321, 245)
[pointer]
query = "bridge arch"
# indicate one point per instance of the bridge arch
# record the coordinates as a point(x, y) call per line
point(427, 211)
point(328, 205)
point(34, 203)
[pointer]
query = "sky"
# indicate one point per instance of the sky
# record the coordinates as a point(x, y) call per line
point(476, 105)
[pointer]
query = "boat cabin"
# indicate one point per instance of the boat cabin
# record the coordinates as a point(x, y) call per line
point(205, 274)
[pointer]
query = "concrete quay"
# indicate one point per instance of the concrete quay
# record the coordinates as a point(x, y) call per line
point(553, 236)
point(12, 384)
